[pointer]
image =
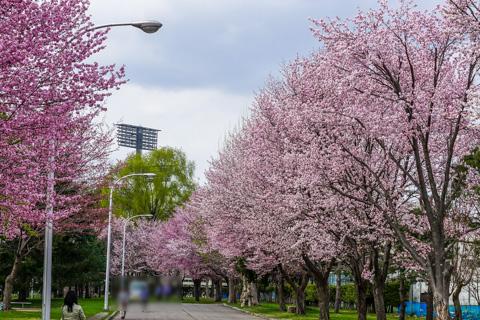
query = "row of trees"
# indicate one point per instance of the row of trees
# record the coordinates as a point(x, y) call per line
point(79, 246)
point(361, 154)
point(78, 263)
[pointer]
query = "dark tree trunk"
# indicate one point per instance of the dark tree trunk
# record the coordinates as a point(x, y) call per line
point(338, 288)
point(87, 291)
point(298, 283)
point(403, 297)
point(300, 293)
point(82, 291)
point(429, 315)
point(300, 299)
point(320, 272)
point(281, 292)
point(361, 288)
point(253, 293)
point(232, 297)
point(180, 292)
point(218, 290)
point(323, 294)
point(208, 294)
point(378, 297)
point(357, 263)
point(380, 263)
point(196, 289)
point(456, 302)
point(23, 294)
point(9, 280)
point(212, 290)
point(56, 293)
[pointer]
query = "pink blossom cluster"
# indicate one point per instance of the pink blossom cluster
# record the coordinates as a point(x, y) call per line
point(177, 247)
point(51, 95)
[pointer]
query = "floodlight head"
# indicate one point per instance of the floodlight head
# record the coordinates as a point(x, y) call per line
point(150, 174)
point(137, 137)
point(148, 26)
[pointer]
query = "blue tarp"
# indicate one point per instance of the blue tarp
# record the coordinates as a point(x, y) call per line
point(420, 310)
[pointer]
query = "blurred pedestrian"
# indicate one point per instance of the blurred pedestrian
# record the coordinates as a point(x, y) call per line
point(123, 297)
point(144, 297)
point(71, 310)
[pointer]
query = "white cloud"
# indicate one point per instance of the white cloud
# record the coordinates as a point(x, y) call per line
point(194, 78)
point(194, 120)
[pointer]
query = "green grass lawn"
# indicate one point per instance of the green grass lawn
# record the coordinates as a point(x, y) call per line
point(271, 310)
point(90, 306)
point(203, 300)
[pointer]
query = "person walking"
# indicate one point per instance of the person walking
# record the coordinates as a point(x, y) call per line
point(123, 298)
point(71, 310)
point(144, 295)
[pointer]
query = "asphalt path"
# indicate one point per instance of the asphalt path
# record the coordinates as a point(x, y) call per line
point(165, 311)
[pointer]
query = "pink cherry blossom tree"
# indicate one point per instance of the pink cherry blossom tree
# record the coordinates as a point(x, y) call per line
point(378, 121)
point(405, 81)
point(50, 95)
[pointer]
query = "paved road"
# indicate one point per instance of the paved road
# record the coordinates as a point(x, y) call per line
point(161, 311)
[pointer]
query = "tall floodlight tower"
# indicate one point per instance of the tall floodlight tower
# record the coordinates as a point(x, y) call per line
point(136, 137)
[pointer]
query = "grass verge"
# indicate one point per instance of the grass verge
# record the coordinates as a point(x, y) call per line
point(270, 310)
point(90, 306)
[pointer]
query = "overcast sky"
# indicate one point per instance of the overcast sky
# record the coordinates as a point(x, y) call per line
point(197, 77)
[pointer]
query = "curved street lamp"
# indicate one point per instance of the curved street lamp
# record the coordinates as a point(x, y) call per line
point(147, 26)
point(109, 230)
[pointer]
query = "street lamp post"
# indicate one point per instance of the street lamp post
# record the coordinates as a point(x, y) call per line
point(109, 231)
point(148, 26)
point(125, 223)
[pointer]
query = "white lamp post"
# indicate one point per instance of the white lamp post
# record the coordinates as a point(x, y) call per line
point(109, 231)
point(149, 26)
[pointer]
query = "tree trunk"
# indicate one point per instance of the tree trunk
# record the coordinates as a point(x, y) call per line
point(361, 289)
point(196, 289)
point(429, 315)
point(253, 294)
point(380, 263)
point(300, 300)
point(281, 292)
point(212, 290)
point(87, 291)
point(378, 298)
point(207, 288)
point(23, 294)
point(81, 292)
point(338, 289)
point(403, 298)
point(218, 290)
point(456, 302)
point(245, 295)
point(441, 307)
point(9, 280)
point(323, 294)
point(320, 272)
point(232, 298)
point(300, 293)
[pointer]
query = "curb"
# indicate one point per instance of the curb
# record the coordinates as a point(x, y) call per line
point(103, 316)
point(111, 316)
point(248, 312)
